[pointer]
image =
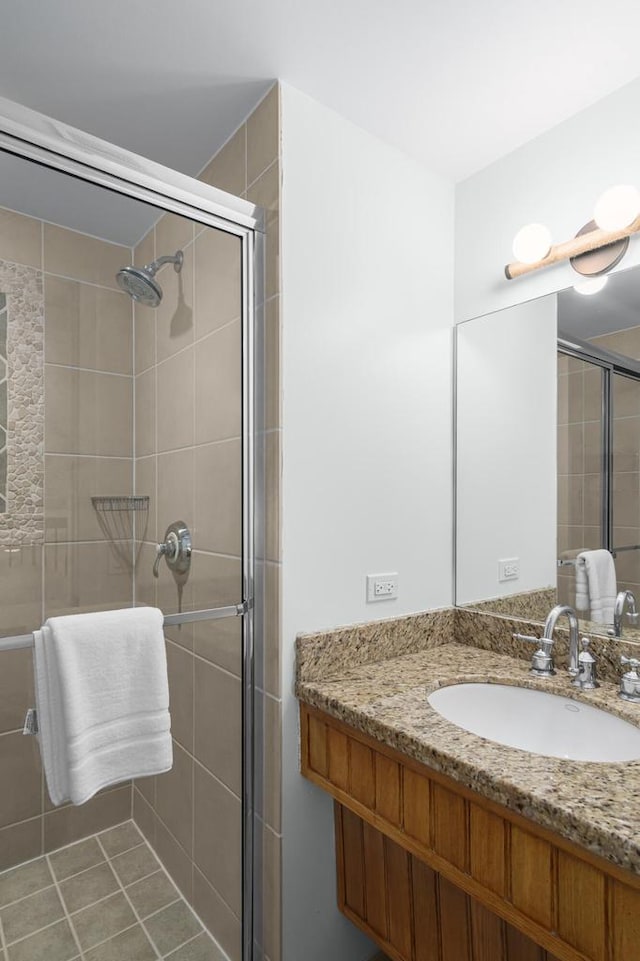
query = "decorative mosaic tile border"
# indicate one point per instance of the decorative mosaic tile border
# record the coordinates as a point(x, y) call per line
point(22, 522)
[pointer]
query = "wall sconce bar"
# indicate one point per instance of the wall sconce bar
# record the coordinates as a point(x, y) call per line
point(583, 244)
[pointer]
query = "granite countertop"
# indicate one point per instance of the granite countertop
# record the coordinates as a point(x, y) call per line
point(595, 805)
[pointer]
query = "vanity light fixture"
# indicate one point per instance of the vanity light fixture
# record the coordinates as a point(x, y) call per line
point(596, 248)
point(592, 285)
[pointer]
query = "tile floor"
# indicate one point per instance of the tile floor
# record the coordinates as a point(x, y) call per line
point(106, 898)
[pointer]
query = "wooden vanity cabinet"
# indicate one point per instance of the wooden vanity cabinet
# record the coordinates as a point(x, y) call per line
point(435, 872)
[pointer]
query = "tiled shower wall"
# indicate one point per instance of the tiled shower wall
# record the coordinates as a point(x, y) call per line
point(580, 461)
point(188, 459)
point(87, 451)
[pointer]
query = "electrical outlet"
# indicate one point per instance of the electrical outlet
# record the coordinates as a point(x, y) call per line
point(382, 587)
point(509, 569)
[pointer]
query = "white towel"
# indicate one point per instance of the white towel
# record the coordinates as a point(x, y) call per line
point(103, 700)
point(596, 579)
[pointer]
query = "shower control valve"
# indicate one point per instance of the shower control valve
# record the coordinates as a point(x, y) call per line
point(176, 549)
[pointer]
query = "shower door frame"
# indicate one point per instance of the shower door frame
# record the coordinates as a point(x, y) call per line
point(35, 137)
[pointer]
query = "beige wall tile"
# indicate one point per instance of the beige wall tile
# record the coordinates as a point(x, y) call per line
point(146, 486)
point(180, 669)
point(218, 279)
point(218, 497)
point(626, 444)
point(273, 471)
point(575, 397)
point(175, 491)
point(219, 385)
point(216, 580)
point(87, 412)
point(145, 388)
point(266, 192)
point(172, 233)
point(174, 593)
point(21, 769)
point(70, 483)
point(626, 499)
point(20, 842)
point(87, 326)
point(175, 401)
point(592, 399)
point(174, 797)
point(70, 823)
point(217, 916)
point(272, 762)
point(218, 724)
point(227, 171)
point(16, 689)
point(145, 328)
point(272, 629)
point(218, 837)
point(592, 500)
point(20, 239)
point(175, 859)
point(174, 314)
point(145, 317)
point(220, 642)
point(145, 581)
point(272, 884)
point(563, 396)
point(273, 416)
point(263, 131)
point(80, 577)
point(20, 589)
point(82, 257)
point(144, 817)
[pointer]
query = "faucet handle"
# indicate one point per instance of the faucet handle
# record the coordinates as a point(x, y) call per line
point(633, 663)
point(630, 682)
point(542, 661)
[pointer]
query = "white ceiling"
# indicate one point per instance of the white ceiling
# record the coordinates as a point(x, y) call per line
point(456, 85)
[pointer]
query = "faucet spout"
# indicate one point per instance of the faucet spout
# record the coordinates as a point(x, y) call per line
point(624, 599)
point(550, 625)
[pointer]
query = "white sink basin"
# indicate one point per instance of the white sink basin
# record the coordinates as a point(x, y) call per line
point(538, 722)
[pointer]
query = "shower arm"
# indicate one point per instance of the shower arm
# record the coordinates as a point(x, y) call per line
point(176, 259)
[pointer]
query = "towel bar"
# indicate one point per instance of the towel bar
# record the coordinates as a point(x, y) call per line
point(20, 641)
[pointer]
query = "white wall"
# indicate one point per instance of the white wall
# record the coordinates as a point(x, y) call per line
point(555, 179)
point(367, 255)
point(506, 444)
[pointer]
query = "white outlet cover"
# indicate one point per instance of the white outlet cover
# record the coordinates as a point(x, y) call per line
point(509, 569)
point(382, 587)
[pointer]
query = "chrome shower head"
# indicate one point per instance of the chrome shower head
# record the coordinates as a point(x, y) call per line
point(140, 282)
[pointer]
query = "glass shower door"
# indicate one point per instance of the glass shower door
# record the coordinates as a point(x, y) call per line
point(625, 481)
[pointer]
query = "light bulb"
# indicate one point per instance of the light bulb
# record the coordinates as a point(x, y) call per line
point(617, 208)
point(593, 285)
point(532, 243)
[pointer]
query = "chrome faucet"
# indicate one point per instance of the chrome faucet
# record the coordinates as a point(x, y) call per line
point(550, 626)
point(624, 599)
point(542, 662)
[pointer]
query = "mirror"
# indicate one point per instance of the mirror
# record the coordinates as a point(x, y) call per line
point(548, 455)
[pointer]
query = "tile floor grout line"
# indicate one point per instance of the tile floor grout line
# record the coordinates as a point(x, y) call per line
point(129, 901)
point(66, 913)
point(179, 947)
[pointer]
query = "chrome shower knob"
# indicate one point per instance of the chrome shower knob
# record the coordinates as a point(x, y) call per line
point(176, 549)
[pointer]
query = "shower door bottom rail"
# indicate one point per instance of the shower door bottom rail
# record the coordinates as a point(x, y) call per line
point(20, 641)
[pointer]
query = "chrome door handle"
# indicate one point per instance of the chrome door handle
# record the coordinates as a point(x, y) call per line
point(176, 549)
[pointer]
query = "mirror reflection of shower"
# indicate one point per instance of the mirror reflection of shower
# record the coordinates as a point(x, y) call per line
point(140, 282)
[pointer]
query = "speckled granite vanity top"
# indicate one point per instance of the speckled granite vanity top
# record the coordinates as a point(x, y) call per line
point(594, 805)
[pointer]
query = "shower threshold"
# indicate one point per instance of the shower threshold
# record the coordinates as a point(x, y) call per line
point(105, 898)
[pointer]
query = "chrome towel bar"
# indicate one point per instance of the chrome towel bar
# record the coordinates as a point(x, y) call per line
point(20, 641)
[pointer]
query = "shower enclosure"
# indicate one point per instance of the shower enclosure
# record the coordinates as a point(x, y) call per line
point(130, 473)
point(598, 455)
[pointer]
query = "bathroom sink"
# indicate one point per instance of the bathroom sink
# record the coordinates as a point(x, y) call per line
point(538, 722)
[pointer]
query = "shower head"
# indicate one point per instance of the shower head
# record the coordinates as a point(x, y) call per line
point(140, 282)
